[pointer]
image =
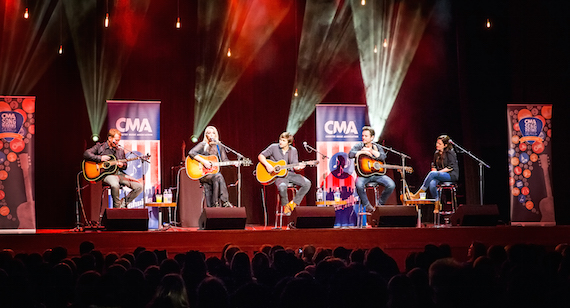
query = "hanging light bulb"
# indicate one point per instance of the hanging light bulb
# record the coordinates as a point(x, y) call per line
point(178, 14)
point(375, 49)
point(229, 52)
point(296, 92)
point(26, 13)
point(60, 51)
point(488, 24)
point(363, 2)
point(107, 20)
point(385, 44)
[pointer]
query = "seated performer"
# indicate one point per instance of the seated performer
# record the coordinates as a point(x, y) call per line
point(372, 149)
point(102, 152)
point(285, 151)
point(444, 168)
point(214, 183)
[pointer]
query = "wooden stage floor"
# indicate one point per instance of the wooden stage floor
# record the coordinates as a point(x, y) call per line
point(398, 242)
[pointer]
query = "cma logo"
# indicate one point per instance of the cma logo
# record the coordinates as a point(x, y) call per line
point(333, 127)
point(128, 124)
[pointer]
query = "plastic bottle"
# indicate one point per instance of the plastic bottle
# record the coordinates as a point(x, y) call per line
point(319, 195)
point(337, 194)
point(168, 196)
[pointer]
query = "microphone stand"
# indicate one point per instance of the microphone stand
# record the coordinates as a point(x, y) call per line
point(240, 157)
point(403, 173)
point(310, 149)
point(481, 164)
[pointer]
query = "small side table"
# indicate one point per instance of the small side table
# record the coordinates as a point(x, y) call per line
point(417, 203)
point(160, 205)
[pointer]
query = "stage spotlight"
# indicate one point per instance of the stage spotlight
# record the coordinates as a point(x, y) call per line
point(26, 14)
point(95, 137)
point(194, 138)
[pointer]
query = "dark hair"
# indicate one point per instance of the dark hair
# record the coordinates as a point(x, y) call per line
point(445, 139)
point(370, 129)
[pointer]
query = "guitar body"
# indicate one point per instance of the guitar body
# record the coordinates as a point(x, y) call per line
point(93, 171)
point(196, 169)
point(367, 166)
point(267, 178)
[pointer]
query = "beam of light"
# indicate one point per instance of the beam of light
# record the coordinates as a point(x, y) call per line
point(400, 22)
point(27, 45)
point(243, 25)
point(102, 55)
point(327, 49)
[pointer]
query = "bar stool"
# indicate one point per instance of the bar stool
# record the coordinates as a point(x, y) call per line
point(445, 210)
point(279, 209)
point(374, 187)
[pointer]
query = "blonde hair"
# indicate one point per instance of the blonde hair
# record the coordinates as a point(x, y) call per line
point(207, 147)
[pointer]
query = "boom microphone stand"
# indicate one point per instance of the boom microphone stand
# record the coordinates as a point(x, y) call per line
point(240, 157)
point(310, 149)
point(403, 173)
point(481, 164)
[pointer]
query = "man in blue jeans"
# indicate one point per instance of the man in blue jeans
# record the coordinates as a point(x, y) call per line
point(373, 150)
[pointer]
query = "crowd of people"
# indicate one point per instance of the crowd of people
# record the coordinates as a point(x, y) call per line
point(518, 275)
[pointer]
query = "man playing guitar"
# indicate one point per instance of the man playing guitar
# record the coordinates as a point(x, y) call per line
point(372, 149)
point(102, 152)
point(285, 151)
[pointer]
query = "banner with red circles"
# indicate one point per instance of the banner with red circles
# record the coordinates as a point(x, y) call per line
point(530, 166)
point(17, 129)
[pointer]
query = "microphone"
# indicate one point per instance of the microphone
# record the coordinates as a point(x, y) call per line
point(307, 147)
point(451, 141)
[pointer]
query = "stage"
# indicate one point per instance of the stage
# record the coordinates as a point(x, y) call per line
point(398, 242)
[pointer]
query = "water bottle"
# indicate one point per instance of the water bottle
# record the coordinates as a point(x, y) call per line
point(168, 196)
point(319, 195)
point(337, 194)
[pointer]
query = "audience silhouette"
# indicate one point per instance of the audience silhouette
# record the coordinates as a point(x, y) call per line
point(517, 275)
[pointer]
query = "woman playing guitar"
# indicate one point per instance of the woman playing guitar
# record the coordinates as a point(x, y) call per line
point(214, 183)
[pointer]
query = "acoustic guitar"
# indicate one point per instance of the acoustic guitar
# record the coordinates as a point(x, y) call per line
point(281, 170)
point(93, 171)
point(367, 166)
point(196, 170)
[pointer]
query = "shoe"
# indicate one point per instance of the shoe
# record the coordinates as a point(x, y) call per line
point(216, 204)
point(227, 204)
point(417, 195)
point(288, 208)
point(369, 208)
point(436, 207)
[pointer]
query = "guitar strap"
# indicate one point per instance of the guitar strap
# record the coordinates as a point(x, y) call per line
point(219, 154)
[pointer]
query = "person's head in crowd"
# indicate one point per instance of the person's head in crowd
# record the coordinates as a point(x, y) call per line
point(212, 293)
point(170, 292)
point(86, 247)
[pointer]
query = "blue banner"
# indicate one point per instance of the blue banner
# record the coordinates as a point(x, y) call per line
point(340, 122)
point(139, 121)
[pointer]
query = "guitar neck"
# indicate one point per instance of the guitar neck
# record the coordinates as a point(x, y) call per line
point(289, 166)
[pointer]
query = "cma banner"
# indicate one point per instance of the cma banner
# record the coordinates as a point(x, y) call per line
point(530, 164)
point(17, 164)
point(139, 124)
point(338, 128)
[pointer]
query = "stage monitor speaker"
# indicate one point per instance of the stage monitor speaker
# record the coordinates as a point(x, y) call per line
point(313, 217)
point(125, 219)
point(394, 216)
point(475, 215)
point(220, 218)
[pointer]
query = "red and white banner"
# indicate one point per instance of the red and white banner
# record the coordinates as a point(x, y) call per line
point(530, 166)
point(17, 190)
point(339, 127)
point(139, 124)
